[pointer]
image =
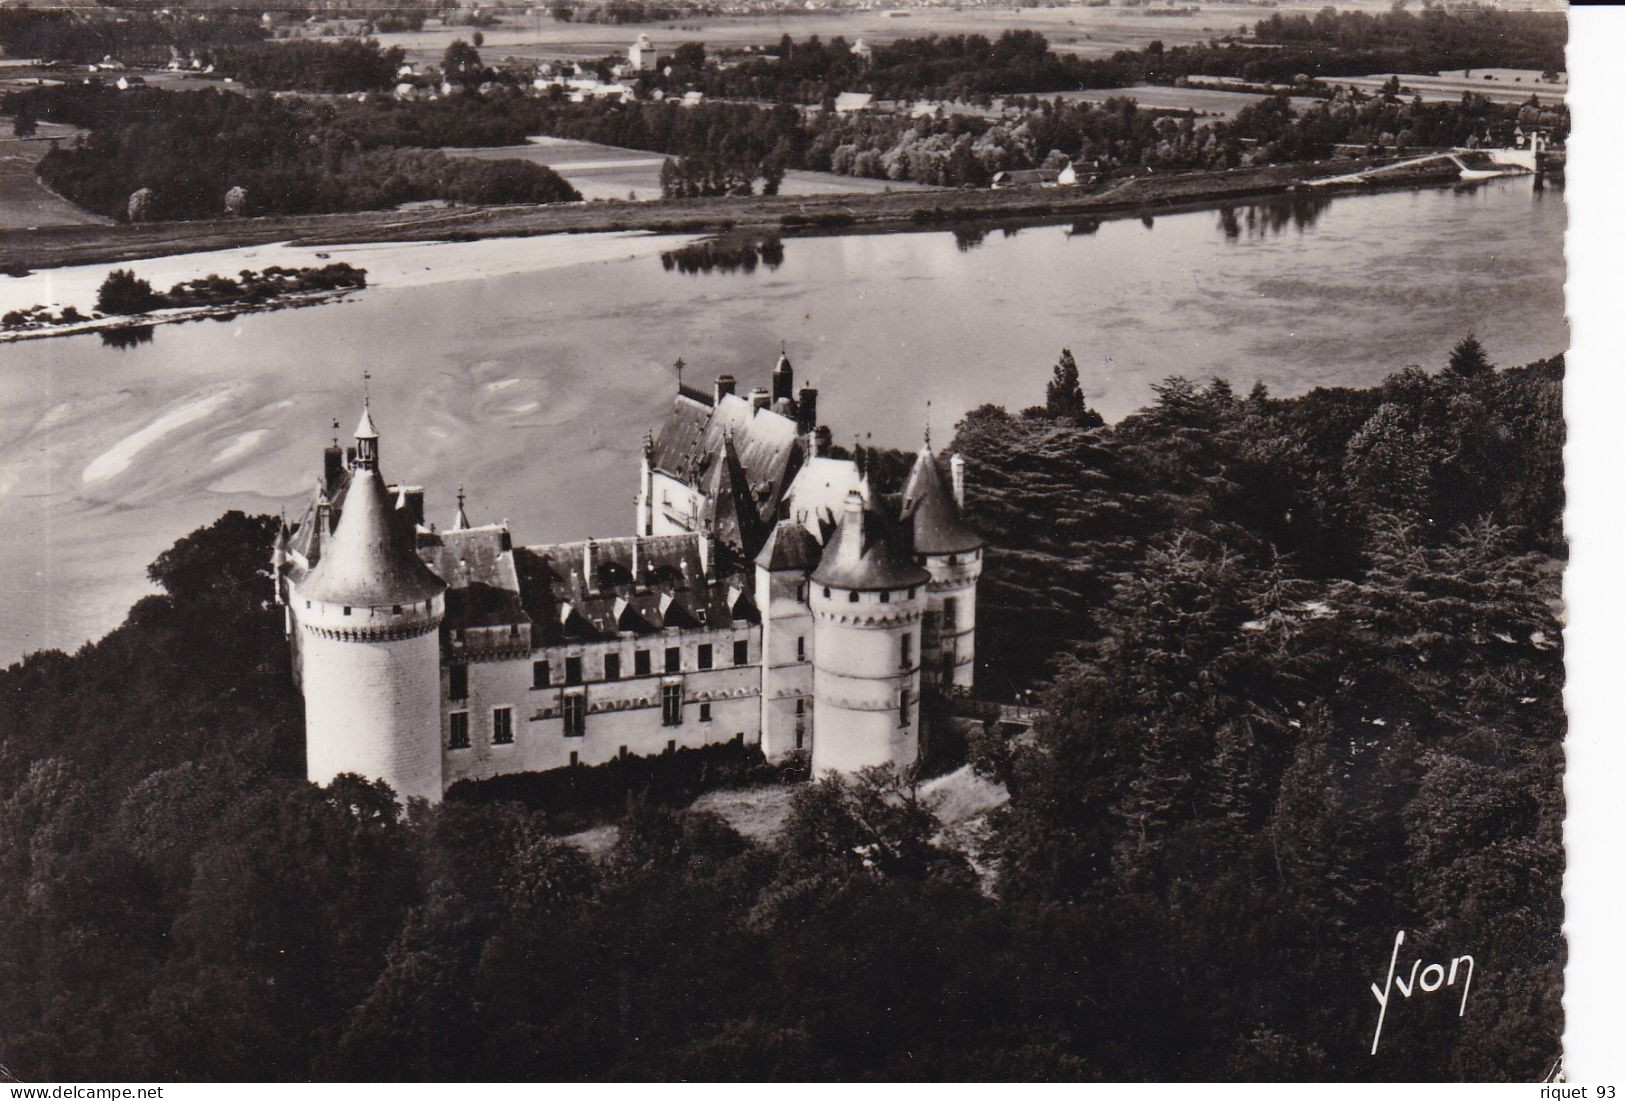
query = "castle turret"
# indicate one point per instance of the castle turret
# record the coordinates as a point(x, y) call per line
point(782, 565)
point(368, 616)
point(867, 603)
point(784, 379)
point(947, 547)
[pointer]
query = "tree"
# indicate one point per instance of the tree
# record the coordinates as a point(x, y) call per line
point(24, 125)
point(1064, 396)
point(562, 11)
point(140, 206)
point(461, 63)
point(123, 292)
point(1468, 358)
point(690, 55)
point(236, 201)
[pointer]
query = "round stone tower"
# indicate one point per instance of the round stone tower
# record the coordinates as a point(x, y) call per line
point(369, 614)
point(947, 547)
point(867, 602)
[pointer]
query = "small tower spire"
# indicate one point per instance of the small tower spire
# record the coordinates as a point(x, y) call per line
point(928, 424)
point(460, 521)
point(679, 365)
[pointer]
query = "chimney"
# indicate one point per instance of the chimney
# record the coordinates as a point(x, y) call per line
point(332, 468)
point(956, 469)
point(852, 530)
point(586, 565)
point(759, 398)
point(637, 576)
point(349, 456)
point(822, 440)
point(807, 410)
point(725, 386)
point(414, 504)
point(705, 554)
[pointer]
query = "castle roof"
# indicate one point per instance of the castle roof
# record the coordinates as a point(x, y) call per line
point(599, 588)
point(789, 546)
point(368, 560)
point(690, 443)
point(932, 513)
point(736, 523)
point(866, 553)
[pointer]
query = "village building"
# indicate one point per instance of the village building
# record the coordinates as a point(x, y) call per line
point(769, 597)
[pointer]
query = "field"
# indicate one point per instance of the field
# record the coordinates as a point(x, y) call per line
point(610, 172)
point(24, 201)
point(1080, 30)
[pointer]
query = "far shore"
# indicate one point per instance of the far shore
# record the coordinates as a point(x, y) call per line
point(28, 250)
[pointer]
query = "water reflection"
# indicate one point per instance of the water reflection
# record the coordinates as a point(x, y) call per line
point(1274, 216)
point(726, 254)
point(128, 337)
point(969, 237)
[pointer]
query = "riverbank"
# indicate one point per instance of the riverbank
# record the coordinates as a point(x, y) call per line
point(144, 321)
point(59, 246)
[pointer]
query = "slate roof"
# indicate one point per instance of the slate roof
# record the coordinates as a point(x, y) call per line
point(866, 552)
point(790, 546)
point(368, 560)
point(669, 589)
point(931, 511)
point(690, 445)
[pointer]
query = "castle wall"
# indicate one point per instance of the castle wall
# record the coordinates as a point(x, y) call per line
point(787, 671)
point(675, 507)
point(860, 676)
point(370, 689)
point(622, 715)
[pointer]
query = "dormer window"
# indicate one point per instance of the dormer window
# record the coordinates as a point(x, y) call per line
point(396, 610)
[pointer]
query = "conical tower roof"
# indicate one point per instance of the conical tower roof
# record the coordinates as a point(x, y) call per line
point(369, 560)
point(930, 508)
point(864, 553)
point(365, 429)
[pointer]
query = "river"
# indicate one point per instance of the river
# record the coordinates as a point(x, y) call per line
point(528, 370)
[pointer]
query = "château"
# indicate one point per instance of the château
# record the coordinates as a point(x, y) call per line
point(769, 596)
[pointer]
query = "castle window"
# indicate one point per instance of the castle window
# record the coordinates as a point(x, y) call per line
point(852, 597)
point(826, 592)
point(705, 655)
point(396, 610)
point(911, 593)
point(671, 745)
point(801, 735)
point(575, 758)
point(459, 682)
point(612, 667)
point(801, 593)
point(705, 712)
point(801, 647)
point(906, 654)
point(674, 659)
point(640, 663)
point(801, 707)
point(540, 675)
point(671, 704)
point(741, 651)
point(885, 598)
point(575, 718)
point(346, 609)
point(950, 612)
point(502, 726)
point(459, 729)
point(572, 670)
point(902, 708)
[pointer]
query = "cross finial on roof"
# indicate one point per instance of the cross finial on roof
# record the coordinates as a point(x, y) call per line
point(366, 387)
point(679, 365)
